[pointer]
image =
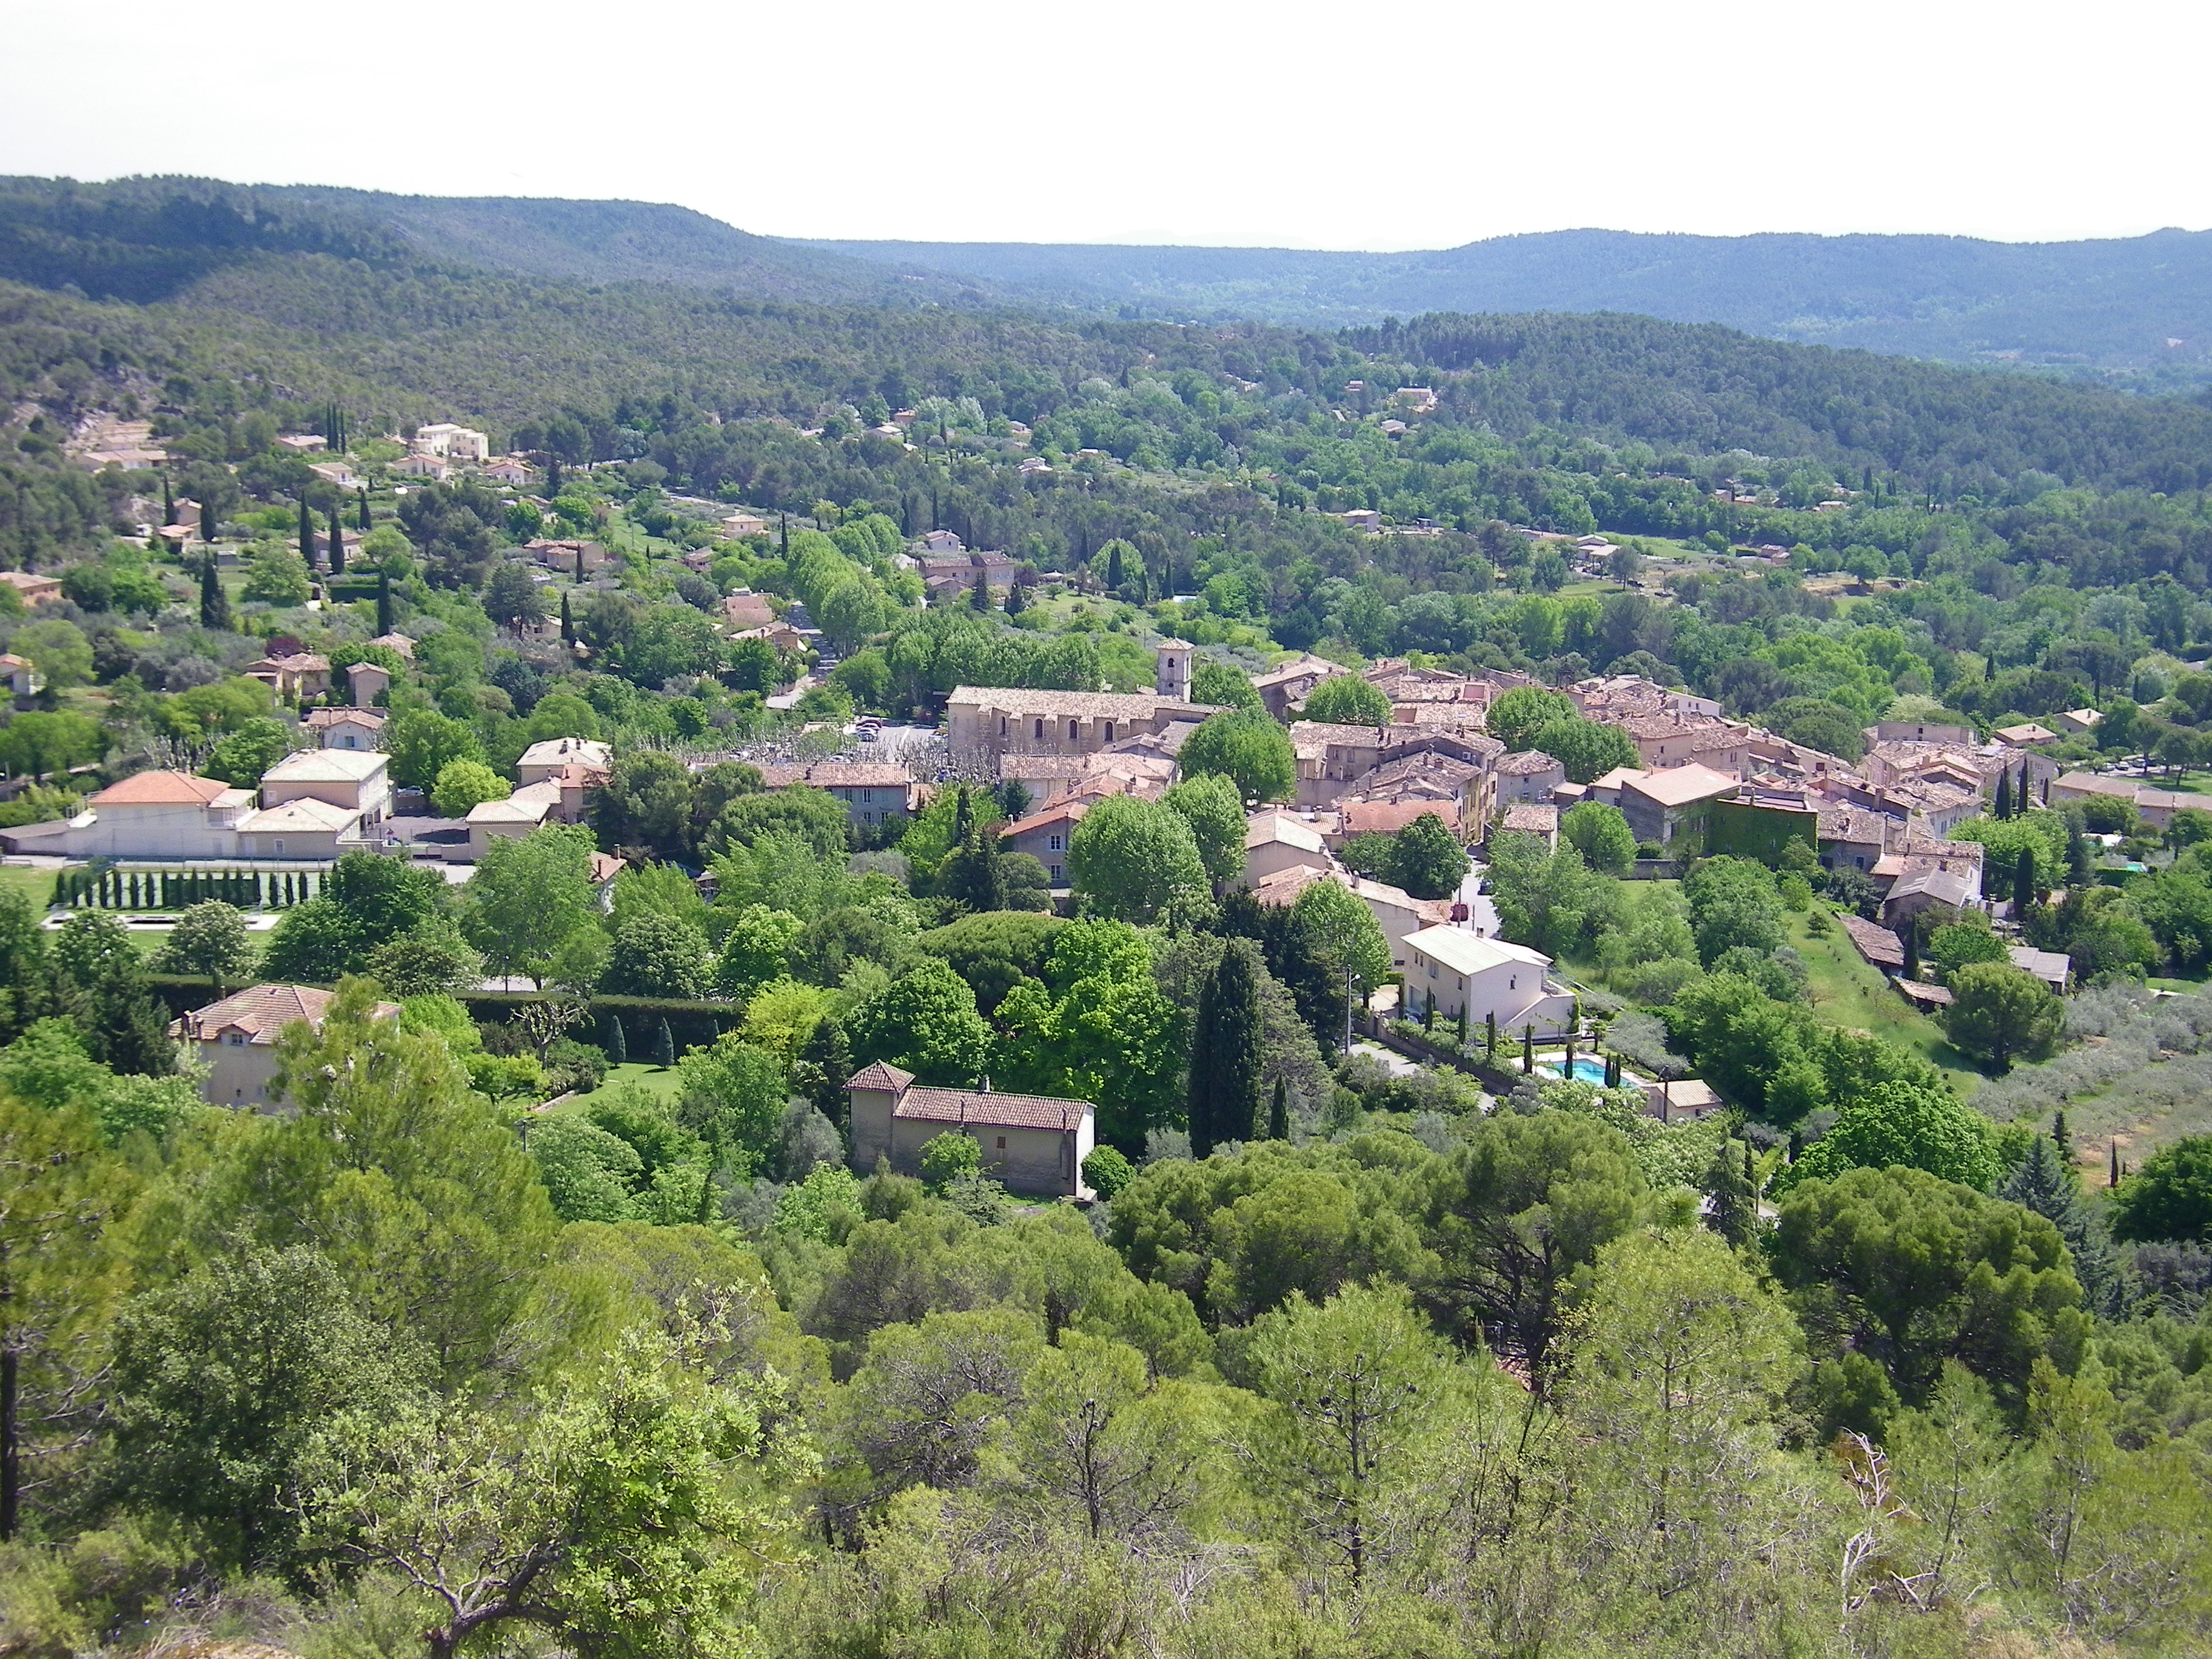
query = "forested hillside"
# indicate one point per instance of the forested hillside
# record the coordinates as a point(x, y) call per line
point(2138, 310)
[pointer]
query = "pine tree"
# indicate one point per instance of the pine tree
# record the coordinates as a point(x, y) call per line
point(974, 875)
point(1228, 1054)
point(1734, 1214)
point(1017, 601)
point(2060, 1137)
point(568, 622)
point(664, 1046)
point(2046, 1184)
point(307, 535)
point(384, 602)
point(1279, 1113)
point(612, 1041)
point(980, 598)
point(962, 816)
point(214, 604)
point(825, 1064)
point(2024, 893)
point(2003, 809)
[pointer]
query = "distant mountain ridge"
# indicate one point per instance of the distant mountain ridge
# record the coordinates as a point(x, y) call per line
point(148, 239)
point(2137, 309)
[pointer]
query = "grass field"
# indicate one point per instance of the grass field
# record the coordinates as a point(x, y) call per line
point(36, 885)
point(1847, 991)
point(642, 1075)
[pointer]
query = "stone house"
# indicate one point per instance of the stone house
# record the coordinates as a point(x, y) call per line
point(237, 1037)
point(1032, 1144)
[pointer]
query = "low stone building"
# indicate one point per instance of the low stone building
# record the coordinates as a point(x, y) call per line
point(1032, 1144)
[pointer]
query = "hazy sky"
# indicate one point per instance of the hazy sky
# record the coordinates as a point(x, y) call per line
point(1420, 123)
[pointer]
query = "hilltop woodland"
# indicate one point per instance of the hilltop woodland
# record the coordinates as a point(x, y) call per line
point(1341, 1362)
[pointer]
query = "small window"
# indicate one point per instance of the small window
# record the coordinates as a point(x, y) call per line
point(1002, 1143)
point(1109, 731)
point(1513, 983)
point(280, 847)
point(1002, 726)
point(235, 1039)
point(1053, 870)
point(1040, 731)
point(1074, 730)
point(1052, 845)
point(1432, 970)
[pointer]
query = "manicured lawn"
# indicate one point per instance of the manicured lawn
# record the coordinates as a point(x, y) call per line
point(1846, 991)
point(642, 1075)
point(36, 885)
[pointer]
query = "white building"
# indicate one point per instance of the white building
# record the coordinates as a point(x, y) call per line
point(449, 442)
point(358, 781)
point(237, 1037)
point(1488, 978)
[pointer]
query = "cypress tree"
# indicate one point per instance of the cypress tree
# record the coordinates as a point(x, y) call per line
point(2059, 1136)
point(168, 503)
point(384, 602)
point(2044, 1183)
point(664, 1046)
point(2113, 1179)
point(612, 1041)
point(1796, 1145)
point(980, 598)
point(1912, 940)
point(579, 561)
point(360, 515)
point(1114, 567)
point(552, 476)
point(974, 876)
point(568, 622)
point(2021, 799)
point(2024, 893)
point(337, 546)
point(1279, 1113)
point(827, 1064)
point(1528, 1050)
point(1429, 1016)
point(1490, 1034)
point(1462, 1025)
point(1228, 1054)
point(214, 604)
point(2002, 809)
point(207, 527)
point(962, 814)
point(1017, 601)
point(306, 534)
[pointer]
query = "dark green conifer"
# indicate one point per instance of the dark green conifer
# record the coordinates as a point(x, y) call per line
point(2024, 893)
point(1227, 1054)
point(214, 604)
point(568, 622)
point(613, 1041)
point(664, 1046)
point(2003, 808)
point(337, 545)
point(307, 535)
point(1279, 1113)
point(384, 602)
point(1732, 1213)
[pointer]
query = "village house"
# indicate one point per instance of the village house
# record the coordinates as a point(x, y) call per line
point(556, 755)
point(1531, 817)
point(356, 782)
point(33, 590)
point(1673, 808)
point(2026, 735)
point(736, 526)
point(23, 676)
point(1677, 739)
point(149, 815)
point(872, 792)
point(296, 675)
point(1032, 1144)
point(1388, 817)
point(2078, 722)
point(450, 442)
point(2156, 807)
point(236, 1038)
point(1850, 837)
point(995, 720)
point(436, 468)
point(366, 682)
point(511, 471)
point(1280, 688)
point(1454, 971)
point(337, 473)
point(1949, 892)
point(1275, 841)
point(1331, 757)
point(346, 728)
point(1045, 835)
point(746, 609)
point(1530, 776)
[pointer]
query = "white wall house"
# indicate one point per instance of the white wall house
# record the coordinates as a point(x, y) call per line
point(236, 1038)
point(1456, 969)
point(357, 780)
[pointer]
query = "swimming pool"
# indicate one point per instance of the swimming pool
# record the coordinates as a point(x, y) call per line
point(1586, 1070)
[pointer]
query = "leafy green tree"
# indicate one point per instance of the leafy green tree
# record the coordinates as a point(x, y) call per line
point(423, 742)
point(528, 896)
point(756, 948)
point(277, 575)
point(636, 1503)
point(511, 598)
point(58, 650)
point(949, 1158)
point(925, 1022)
point(1518, 715)
point(1210, 804)
point(36, 744)
point(659, 956)
point(1587, 749)
point(2001, 1013)
point(1343, 932)
point(1137, 860)
point(1426, 858)
point(242, 756)
point(60, 1191)
point(1600, 835)
point(1226, 1054)
point(972, 874)
point(1903, 1124)
point(813, 816)
point(224, 1380)
point(1218, 685)
point(430, 958)
point(208, 939)
point(1910, 1270)
point(1107, 1172)
point(1970, 939)
point(1249, 749)
point(1516, 1214)
point(2170, 1197)
point(1550, 901)
point(463, 784)
point(1096, 1028)
point(1347, 700)
point(316, 943)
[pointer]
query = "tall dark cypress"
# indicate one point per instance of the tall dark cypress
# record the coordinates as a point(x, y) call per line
point(384, 602)
point(214, 604)
point(1114, 567)
point(612, 1040)
point(307, 535)
point(1279, 1113)
point(2024, 884)
point(207, 527)
point(360, 518)
point(2003, 808)
point(552, 476)
point(1227, 1054)
point(2020, 796)
point(337, 545)
point(664, 1047)
point(168, 503)
point(568, 622)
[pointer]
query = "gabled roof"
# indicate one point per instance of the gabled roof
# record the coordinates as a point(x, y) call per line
point(1277, 829)
point(560, 752)
point(328, 766)
point(1386, 818)
point(1679, 786)
point(161, 789)
point(264, 1010)
point(306, 815)
point(1528, 763)
point(988, 1110)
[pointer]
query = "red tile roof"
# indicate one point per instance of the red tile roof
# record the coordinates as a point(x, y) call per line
point(974, 1106)
point(160, 789)
point(882, 1075)
point(264, 1010)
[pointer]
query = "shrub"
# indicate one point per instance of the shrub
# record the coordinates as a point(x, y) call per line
point(1108, 1172)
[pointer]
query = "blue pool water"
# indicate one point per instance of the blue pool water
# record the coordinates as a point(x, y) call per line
point(1586, 1070)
